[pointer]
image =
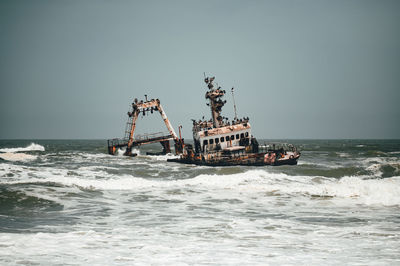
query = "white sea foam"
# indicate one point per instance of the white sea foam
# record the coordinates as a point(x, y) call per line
point(364, 191)
point(369, 191)
point(163, 157)
point(31, 147)
point(231, 241)
point(375, 164)
point(14, 157)
point(120, 152)
point(97, 167)
point(375, 169)
point(356, 189)
point(255, 217)
point(137, 151)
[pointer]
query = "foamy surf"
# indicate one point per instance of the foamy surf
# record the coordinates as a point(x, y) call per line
point(254, 182)
point(338, 206)
point(14, 157)
point(163, 157)
point(31, 147)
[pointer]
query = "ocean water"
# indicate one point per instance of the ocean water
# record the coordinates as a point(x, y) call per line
point(67, 202)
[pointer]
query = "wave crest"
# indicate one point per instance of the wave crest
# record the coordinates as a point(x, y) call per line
point(359, 190)
point(31, 147)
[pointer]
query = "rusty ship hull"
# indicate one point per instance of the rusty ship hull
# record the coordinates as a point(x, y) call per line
point(257, 159)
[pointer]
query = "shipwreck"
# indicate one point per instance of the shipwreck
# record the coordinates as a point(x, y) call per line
point(216, 142)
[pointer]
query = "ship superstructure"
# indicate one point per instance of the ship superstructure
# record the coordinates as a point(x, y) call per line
point(219, 142)
point(218, 133)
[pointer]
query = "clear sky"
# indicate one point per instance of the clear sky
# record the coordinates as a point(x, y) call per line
point(301, 69)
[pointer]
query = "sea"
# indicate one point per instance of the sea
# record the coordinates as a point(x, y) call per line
point(67, 202)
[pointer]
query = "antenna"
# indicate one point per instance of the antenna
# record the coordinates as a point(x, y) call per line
point(234, 104)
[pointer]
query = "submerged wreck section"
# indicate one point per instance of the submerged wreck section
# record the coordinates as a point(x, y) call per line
point(220, 142)
point(130, 140)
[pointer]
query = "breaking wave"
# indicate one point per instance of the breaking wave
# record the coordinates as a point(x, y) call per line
point(382, 166)
point(15, 155)
point(31, 147)
point(360, 190)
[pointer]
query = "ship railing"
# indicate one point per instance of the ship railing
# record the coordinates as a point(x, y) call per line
point(120, 142)
point(200, 128)
point(147, 136)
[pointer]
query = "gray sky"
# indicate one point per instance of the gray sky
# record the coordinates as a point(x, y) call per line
point(301, 69)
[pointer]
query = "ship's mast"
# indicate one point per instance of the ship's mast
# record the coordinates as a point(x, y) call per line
point(234, 104)
point(216, 102)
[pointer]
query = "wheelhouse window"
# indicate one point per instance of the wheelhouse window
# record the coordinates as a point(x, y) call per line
point(237, 136)
point(227, 138)
point(246, 134)
point(205, 142)
point(233, 137)
point(222, 139)
point(211, 141)
point(242, 136)
point(216, 140)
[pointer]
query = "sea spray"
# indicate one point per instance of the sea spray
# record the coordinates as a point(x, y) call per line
point(31, 147)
